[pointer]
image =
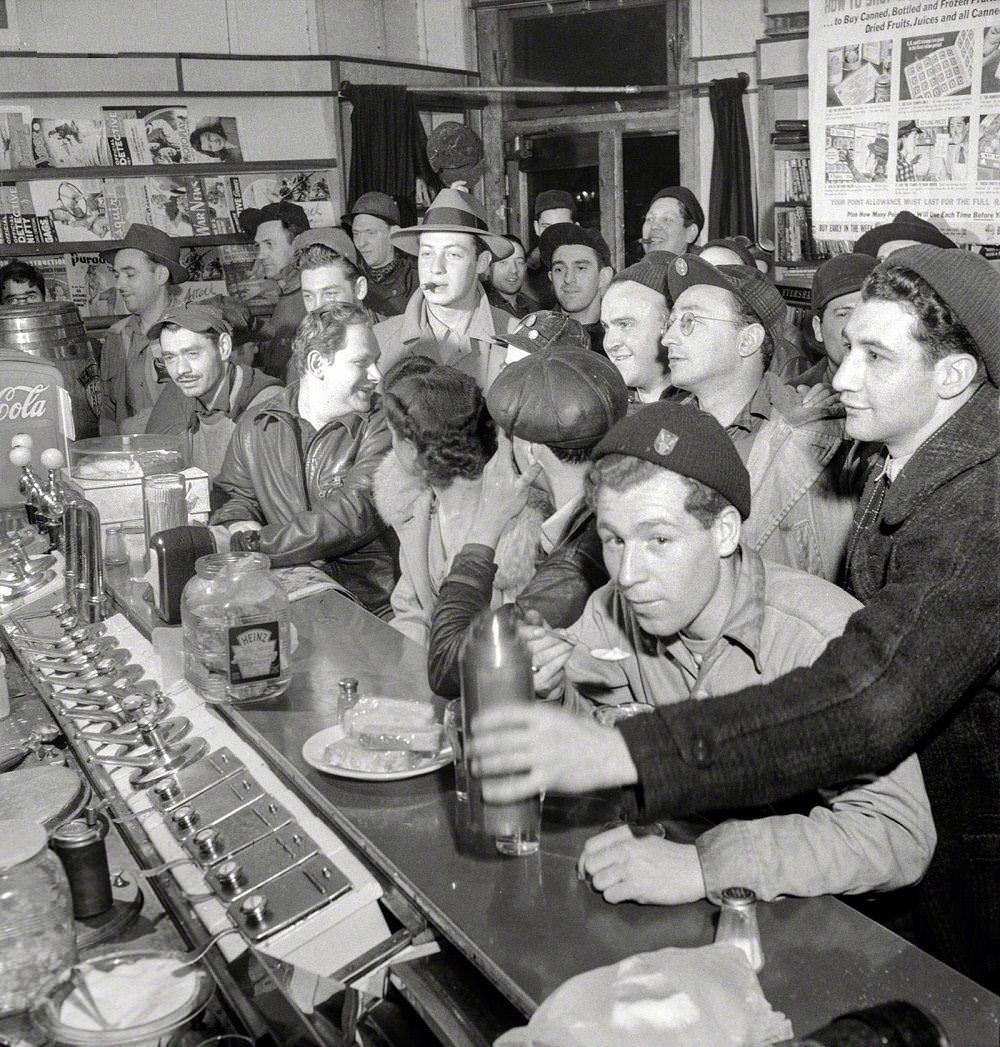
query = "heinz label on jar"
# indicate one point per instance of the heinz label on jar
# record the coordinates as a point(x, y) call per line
point(254, 652)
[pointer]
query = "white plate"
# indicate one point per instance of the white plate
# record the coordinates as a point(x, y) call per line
point(314, 747)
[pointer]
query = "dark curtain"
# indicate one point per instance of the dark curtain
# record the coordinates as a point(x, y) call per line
point(388, 145)
point(730, 207)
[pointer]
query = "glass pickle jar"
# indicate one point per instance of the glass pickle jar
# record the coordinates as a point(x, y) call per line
point(236, 623)
point(37, 933)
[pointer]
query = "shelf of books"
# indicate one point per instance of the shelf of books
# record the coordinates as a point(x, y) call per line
point(70, 188)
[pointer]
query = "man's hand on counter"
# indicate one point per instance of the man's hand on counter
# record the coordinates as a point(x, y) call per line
point(519, 751)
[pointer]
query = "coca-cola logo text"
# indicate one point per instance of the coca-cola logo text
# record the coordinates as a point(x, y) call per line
point(18, 402)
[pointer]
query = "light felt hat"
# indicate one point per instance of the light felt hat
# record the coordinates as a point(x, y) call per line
point(454, 211)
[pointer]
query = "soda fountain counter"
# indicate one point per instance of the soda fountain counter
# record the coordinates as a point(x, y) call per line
point(469, 940)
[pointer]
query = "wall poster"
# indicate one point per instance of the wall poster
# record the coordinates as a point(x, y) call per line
point(904, 108)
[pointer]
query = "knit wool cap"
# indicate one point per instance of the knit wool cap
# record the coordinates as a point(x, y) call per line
point(751, 286)
point(686, 197)
point(547, 329)
point(554, 199)
point(652, 271)
point(329, 236)
point(563, 233)
point(381, 205)
point(685, 440)
point(566, 398)
point(969, 285)
point(840, 275)
point(905, 226)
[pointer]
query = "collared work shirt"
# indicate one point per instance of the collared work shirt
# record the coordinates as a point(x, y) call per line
point(875, 833)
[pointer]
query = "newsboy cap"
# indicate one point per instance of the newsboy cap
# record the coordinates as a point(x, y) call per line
point(283, 211)
point(547, 329)
point(651, 271)
point(566, 398)
point(680, 437)
point(970, 287)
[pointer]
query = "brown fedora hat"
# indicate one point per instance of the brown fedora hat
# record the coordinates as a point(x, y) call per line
point(454, 211)
point(158, 245)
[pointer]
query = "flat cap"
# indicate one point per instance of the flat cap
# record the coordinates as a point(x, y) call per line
point(566, 398)
point(329, 236)
point(751, 286)
point(381, 205)
point(680, 437)
point(282, 211)
point(652, 271)
point(553, 199)
point(840, 275)
point(563, 233)
point(202, 316)
point(905, 226)
point(547, 329)
point(969, 285)
point(686, 197)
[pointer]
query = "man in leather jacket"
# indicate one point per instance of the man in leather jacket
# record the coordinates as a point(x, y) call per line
point(555, 405)
point(298, 472)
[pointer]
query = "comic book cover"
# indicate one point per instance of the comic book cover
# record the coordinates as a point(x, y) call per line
point(214, 139)
point(244, 278)
point(309, 189)
point(205, 276)
point(92, 285)
point(149, 135)
point(75, 208)
point(65, 142)
point(55, 276)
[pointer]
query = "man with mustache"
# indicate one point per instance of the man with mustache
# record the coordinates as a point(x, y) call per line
point(298, 472)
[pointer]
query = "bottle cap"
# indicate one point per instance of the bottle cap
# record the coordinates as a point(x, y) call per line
point(738, 896)
point(78, 833)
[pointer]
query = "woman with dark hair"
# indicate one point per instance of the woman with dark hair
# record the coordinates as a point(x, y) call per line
point(427, 488)
point(210, 139)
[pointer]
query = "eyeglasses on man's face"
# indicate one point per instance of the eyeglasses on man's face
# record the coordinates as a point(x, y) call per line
point(687, 320)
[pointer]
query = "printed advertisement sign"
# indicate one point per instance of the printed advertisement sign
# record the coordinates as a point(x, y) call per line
point(904, 113)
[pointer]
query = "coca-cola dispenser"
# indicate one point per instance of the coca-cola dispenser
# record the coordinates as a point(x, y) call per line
point(33, 400)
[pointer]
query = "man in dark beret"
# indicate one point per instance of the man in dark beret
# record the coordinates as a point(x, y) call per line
point(917, 668)
point(673, 221)
point(551, 408)
point(273, 229)
point(578, 261)
point(549, 208)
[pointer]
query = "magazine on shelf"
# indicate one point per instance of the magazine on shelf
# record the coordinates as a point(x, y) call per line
point(92, 285)
point(15, 137)
point(75, 208)
point(244, 278)
point(177, 205)
point(214, 139)
point(55, 276)
point(127, 203)
point(309, 189)
point(218, 204)
point(18, 222)
point(148, 135)
point(205, 276)
point(66, 142)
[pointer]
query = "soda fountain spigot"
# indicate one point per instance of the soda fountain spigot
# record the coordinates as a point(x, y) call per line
point(27, 483)
point(54, 498)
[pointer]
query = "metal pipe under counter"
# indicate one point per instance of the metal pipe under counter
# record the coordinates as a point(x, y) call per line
point(525, 925)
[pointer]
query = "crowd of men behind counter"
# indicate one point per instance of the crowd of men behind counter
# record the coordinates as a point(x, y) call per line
point(793, 560)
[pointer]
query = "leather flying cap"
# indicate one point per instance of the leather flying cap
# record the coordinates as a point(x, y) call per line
point(454, 211)
point(751, 286)
point(651, 271)
point(840, 275)
point(282, 211)
point(157, 245)
point(329, 236)
point(381, 205)
point(566, 398)
point(905, 226)
point(680, 437)
point(552, 200)
point(202, 317)
point(971, 288)
point(547, 329)
point(563, 233)
point(686, 197)
point(455, 152)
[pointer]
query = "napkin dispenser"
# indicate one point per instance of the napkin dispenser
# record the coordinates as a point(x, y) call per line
point(172, 555)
